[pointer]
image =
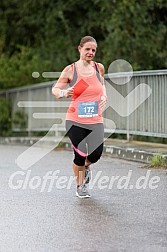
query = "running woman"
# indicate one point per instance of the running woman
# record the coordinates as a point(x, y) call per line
point(83, 81)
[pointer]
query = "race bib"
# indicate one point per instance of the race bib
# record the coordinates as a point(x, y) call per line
point(87, 109)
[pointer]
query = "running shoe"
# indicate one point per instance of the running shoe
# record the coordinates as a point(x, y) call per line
point(87, 174)
point(82, 191)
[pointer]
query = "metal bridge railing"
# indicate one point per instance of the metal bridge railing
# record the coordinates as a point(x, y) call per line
point(148, 119)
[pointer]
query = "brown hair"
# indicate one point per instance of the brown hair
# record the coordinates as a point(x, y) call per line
point(87, 39)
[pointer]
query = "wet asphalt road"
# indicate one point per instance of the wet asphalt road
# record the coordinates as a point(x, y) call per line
point(45, 215)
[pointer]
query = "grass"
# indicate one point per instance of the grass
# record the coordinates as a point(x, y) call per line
point(158, 161)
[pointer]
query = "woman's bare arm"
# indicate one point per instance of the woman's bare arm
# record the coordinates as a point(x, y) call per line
point(59, 89)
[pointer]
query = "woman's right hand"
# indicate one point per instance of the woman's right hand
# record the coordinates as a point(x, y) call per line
point(69, 92)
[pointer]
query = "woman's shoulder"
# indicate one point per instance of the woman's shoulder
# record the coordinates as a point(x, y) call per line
point(68, 72)
point(68, 68)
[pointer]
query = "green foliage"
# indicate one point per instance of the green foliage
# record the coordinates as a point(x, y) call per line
point(17, 70)
point(5, 117)
point(20, 119)
point(158, 161)
point(136, 32)
point(43, 35)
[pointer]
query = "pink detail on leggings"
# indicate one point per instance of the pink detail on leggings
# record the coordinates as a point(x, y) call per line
point(79, 152)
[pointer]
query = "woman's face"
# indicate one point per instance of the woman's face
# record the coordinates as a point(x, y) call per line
point(87, 51)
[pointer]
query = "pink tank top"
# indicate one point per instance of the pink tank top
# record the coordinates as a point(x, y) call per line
point(84, 107)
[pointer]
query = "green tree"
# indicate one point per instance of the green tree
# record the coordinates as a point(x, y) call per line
point(137, 32)
point(5, 117)
point(43, 35)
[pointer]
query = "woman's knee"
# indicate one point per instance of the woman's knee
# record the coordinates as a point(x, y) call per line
point(93, 158)
point(95, 155)
point(79, 160)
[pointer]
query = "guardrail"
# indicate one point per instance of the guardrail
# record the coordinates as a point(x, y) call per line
point(148, 119)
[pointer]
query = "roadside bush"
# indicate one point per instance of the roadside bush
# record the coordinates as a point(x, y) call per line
point(158, 161)
point(20, 120)
point(5, 117)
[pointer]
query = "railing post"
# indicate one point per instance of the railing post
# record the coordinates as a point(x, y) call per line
point(29, 113)
point(127, 118)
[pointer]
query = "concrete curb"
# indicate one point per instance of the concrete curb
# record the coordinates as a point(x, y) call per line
point(129, 152)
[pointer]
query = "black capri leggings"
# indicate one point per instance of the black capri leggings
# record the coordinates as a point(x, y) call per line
point(87, 141)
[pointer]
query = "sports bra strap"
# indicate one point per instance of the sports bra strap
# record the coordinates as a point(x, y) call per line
point(75, 76)
point(97, 72)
